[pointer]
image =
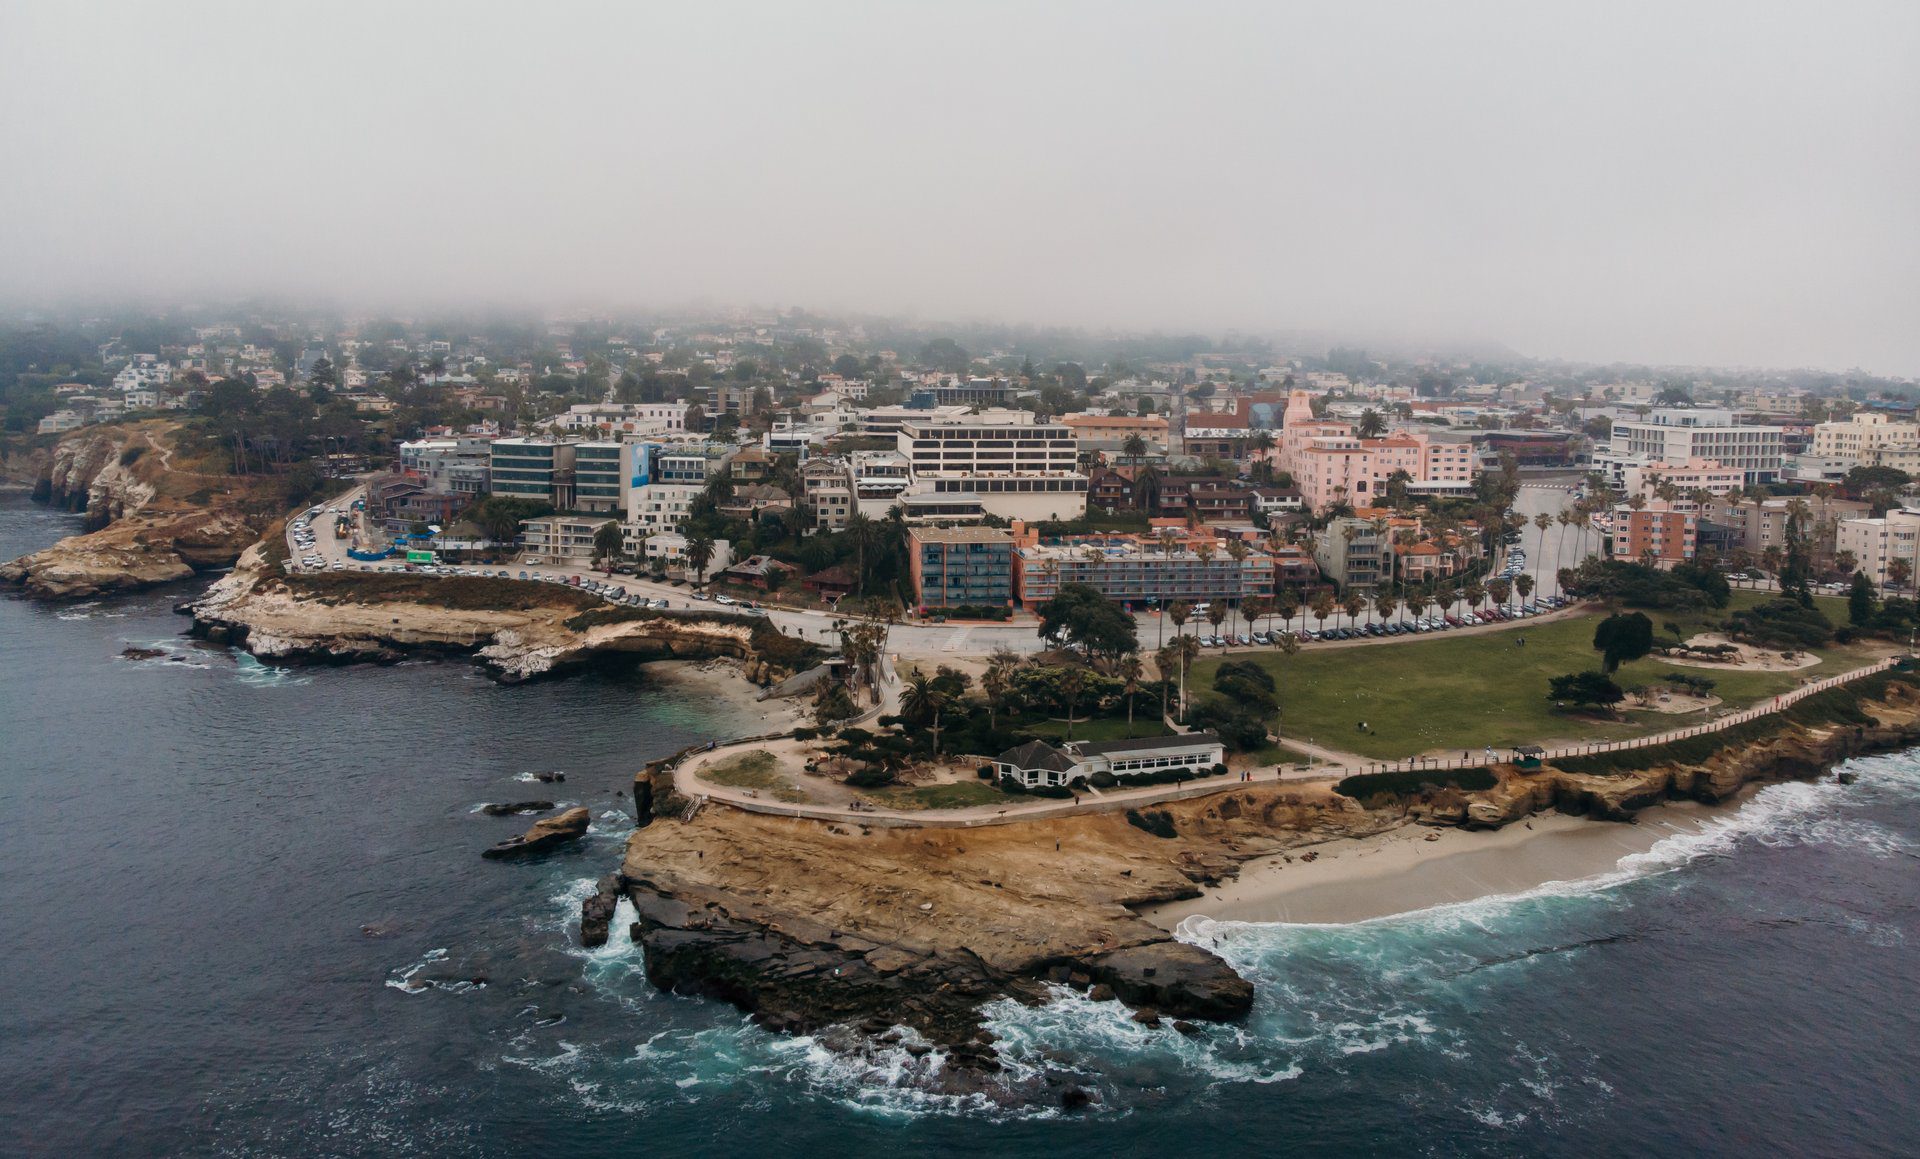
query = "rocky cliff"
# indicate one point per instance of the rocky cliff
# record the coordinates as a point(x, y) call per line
point(148, 523)
point(518, 631)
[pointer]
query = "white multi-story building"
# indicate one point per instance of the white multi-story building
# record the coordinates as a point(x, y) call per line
point(457, 466)
point(1876, 543)
point(624, 419)
point(1858, 437)
point(1018, 468)
point(1678, 435)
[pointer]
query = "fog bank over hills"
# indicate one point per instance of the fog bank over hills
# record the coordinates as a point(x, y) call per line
point(1709, 184)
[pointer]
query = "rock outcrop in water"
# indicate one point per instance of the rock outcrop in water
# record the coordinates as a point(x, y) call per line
point(545, 834)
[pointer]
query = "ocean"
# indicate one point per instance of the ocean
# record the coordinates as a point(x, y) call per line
point(245, 914)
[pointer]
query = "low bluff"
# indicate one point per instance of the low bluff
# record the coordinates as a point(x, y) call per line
point(848, 929)
point(516, 630)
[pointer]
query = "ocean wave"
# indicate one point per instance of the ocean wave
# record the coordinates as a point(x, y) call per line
point(407, 979)
point(252, 672)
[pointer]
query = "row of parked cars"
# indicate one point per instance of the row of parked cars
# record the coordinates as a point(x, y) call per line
point(1418, 625)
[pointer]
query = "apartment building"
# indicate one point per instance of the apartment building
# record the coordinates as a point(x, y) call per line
point(1138, 570)
point(1858, 437)
point(631, 419)
point(1108, 434)
point(956, 566)
point(560, 539)
point(826, 488)
point(603, 473)
point(1353, 552)
point(532, 468)
point(1694, 475)
point(1754, 525)
point(1669, 534)
point(1017, 467)
point(456, 466)
point(1680, 436)
point(1877, 543)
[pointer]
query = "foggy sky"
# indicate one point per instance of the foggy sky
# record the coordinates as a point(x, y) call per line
point(1716, 183)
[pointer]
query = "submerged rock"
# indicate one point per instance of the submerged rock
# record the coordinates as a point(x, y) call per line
point(1177, 979)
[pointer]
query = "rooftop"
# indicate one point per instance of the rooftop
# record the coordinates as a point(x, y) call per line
point(961, 535)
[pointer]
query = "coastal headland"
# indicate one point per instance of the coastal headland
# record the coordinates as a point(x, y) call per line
point(814, 925)
point(150, 517)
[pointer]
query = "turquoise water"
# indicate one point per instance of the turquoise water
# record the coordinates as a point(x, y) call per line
point(223, 883)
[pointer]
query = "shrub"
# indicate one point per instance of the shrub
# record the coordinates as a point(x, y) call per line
point(985, 772)
point(1158, 823)
point(871, 777)
point(1414, 782)
point(1057, 791)
point(131, 455)
point(1103, 780)
point(1219, 770)
point(1012, 785)
point(1781, 624)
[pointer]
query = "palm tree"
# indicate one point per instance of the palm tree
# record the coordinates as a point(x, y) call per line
point(1523, 584)
point(922, 697)
point(1216, 615)
point(1354, 604)
point(1072, 682)
point(1129, 673)
point(1500, 589)
point(865, 535)
point(1178, 612)
point(1371, 425)
point(699, 555)
point(1321, 607)
point(1417, 601)
point(1385, 603)
point(1475, 594)
point(1186, 648)
point(1286, 605)
point(997, 681)
point(1134, 448)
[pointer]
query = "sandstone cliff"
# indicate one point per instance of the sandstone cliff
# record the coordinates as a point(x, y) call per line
point(148, 521)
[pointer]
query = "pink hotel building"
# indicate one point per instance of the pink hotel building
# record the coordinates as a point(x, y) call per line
point(1331, 466)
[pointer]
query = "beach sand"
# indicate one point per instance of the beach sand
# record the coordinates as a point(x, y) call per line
point(723, 683)
point(1354, 879)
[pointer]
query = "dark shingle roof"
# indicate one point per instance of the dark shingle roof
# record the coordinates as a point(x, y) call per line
point(1037, 754)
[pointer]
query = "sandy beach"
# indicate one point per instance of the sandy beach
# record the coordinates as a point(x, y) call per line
point(723, 682)
point(1416, 867)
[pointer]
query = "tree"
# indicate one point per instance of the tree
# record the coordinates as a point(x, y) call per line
point(1072, 682)
point(1180, 611)
point(1371, 425)
point(997, 680)
point(1585, 688)
point(1622, 637)
point(1080, 614)
point(606, 541)
point(1899, 571)
point(1321, 607)
point(1860, 602)
point(1523, 584)
point(699, 555)
point(1185, 649)
point(1134, 448)
point(1353, 604)
point(1129, 672)
point(1216, 615)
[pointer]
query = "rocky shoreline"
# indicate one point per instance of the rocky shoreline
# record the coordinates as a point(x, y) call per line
point(515, 631)
point(853, 932)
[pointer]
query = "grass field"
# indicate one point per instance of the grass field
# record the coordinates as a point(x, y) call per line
point(757, 771)
point(1462, 692)
point(1105, 728)
point(958, 795)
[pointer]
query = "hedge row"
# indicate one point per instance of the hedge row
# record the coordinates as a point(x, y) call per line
point(1413, 782)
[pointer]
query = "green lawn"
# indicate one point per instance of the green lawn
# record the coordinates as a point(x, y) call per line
point(757, 771)
point(1461, 692)
point(1276, 754)
point(958, 795)
point(1105, 728)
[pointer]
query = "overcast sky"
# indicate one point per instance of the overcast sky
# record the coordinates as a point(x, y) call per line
point(1727, 183)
